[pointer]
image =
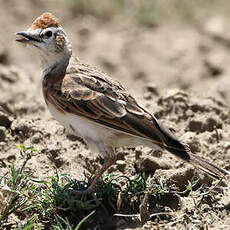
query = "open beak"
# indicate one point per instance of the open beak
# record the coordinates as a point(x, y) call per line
point(27, 37)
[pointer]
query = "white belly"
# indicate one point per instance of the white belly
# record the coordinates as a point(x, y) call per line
point(99, 138)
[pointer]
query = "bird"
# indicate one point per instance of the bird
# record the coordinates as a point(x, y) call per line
point(96, 107)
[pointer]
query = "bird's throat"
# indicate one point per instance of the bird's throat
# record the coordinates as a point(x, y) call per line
point(56, 67)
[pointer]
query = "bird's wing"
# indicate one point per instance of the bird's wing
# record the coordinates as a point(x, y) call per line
point(87, 92)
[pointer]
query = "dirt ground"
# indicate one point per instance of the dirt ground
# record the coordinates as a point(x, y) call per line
point(179, 72)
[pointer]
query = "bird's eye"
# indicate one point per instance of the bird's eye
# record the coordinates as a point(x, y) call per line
point(48, 34)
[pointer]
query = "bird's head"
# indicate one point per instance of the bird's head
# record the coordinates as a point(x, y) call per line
point(48, 38)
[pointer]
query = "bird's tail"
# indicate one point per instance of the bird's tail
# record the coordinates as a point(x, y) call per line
point(209, 168)
point(182, 150)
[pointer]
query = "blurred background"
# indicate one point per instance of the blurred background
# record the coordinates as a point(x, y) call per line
point(168, 43)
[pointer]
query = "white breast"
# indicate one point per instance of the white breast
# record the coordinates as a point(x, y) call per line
point(95, 135)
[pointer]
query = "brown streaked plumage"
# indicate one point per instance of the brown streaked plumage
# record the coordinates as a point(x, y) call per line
point(98, 108)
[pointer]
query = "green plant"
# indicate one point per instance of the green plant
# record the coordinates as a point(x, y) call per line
point(16, 188)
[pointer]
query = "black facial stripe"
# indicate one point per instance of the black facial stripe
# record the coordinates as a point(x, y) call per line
point(31, 38)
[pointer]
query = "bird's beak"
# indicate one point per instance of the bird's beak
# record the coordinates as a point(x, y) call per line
point(27, 37)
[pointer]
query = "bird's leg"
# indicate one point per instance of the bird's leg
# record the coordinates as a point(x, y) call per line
point(105, 166)
point(108, 162)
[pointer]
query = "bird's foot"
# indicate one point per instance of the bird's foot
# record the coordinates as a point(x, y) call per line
point(92, 187)
point(89, 191)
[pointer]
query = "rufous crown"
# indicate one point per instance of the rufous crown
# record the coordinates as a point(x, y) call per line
point(44, 21)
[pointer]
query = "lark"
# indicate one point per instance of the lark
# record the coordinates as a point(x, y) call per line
point(96, 107)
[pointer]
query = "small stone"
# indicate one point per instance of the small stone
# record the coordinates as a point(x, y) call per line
point(36, 138)
point(148, 164)
point(226, 145)
point(138, 154)
point(4, 120)
point(152, 88)
point(211, 123)
point(214, 68)
point(202, 123)
point(54, 154)
point(121, 165)
point(59, 162)
point(4, 58)
point(195, 125)
point(157, 152)
point(121, 155)
point(11, 158)
point(2, 133)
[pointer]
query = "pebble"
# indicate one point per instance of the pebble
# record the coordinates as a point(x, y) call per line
point(2, 134)
point(4, 120)
point(148, 164)
point(121, 165)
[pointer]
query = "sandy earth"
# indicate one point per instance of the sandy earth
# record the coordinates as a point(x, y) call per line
point(178, 72)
